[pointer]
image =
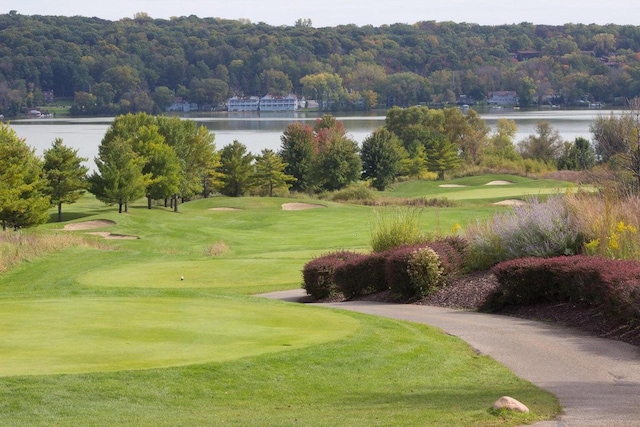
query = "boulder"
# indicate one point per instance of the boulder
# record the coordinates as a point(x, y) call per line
point(510, 404)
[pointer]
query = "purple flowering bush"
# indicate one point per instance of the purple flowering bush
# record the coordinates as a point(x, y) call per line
point(536, 229)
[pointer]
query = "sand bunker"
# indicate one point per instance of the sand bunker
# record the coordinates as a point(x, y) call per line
point(499, 183)
point(224, 209)
point(88, 225)
point(511, 202)
point(300, 206)
point(111, 236)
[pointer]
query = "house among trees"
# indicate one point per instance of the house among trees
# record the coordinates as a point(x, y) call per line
point(241, 103)
point(503, 98)
point(266, 103)
point(47, 96)
point(181, 105)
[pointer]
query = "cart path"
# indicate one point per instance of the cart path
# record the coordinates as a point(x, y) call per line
point(597, 380)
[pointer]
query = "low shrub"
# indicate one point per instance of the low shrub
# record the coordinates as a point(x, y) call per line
point(451, 250)
point(613, 285)
point(358, 192)
point(425, 271)
point(319, 273)
point(423, 202)
point(395, 229)
point(413, 271)
point(362, 275)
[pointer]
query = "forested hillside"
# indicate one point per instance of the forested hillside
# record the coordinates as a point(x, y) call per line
point(141, 64)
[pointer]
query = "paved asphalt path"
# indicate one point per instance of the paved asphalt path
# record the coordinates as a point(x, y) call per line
point(596, 380)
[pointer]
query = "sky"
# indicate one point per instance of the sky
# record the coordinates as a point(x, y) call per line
point(329, 13)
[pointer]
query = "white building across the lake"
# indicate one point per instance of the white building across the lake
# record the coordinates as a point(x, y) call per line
point(266, 103)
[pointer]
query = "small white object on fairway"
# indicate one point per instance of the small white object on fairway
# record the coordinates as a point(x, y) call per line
point(181, 277)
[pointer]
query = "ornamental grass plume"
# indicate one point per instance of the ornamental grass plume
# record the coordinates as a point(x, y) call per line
point(396, 228)
point(609, 223)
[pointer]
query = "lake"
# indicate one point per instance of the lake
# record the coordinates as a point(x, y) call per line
point(263, 130)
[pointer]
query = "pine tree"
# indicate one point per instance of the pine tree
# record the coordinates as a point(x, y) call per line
point(65, 173)
point(270, 173)
point(235, 169)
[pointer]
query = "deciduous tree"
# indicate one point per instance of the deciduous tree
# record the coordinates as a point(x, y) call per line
point(119, 178)
point(22, 183)
point(381, 155)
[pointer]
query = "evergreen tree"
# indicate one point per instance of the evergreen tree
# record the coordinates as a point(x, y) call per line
point(236, 169)
point(297, 152)
point(442, 155)
point(269, 174)
point(22, 183)
point(66, 175)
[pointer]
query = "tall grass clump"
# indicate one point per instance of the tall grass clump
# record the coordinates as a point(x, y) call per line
point(396, 228)
point(216, 249)
point(19, 246)
point(536, 229)
point(610, 224)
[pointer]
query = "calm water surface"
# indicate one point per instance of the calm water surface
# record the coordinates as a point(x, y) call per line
point(260, 131)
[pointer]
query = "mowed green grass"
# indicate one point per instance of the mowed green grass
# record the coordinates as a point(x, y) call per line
point(73, 335)
point(115, 337)
point(482, 189)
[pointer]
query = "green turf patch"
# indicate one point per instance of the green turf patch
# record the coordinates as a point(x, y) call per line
point(72, 335)
point(213, 273)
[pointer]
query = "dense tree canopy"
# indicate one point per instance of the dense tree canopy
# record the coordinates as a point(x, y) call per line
point(382, 154)
point(139, 64)
point(22, 183)
point(120, 178)
point(236, 169)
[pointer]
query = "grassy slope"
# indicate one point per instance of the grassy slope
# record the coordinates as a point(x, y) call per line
point(474, 189)
point(385, 373)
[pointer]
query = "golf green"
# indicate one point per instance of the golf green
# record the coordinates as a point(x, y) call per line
point(72, 335)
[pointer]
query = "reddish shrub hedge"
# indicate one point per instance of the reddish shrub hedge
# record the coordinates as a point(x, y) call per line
point(613, 285)
point(397, 272)
point(319, 273)
point(362, 275)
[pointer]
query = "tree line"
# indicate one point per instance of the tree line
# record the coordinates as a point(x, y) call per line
point(141, 64)
point(169, 159)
